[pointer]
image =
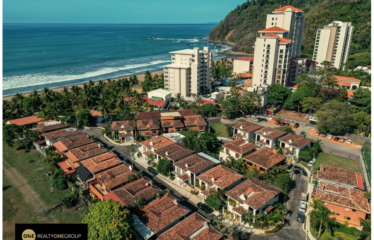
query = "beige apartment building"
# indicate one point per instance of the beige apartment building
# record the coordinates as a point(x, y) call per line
point(277, 45)
point(189, 72)
point(332, 43)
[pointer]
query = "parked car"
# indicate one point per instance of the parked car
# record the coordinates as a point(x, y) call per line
point(317, 133)
point(287, 123)
point(282, 124)
point(205, 208)
point(255, 120)
point(342, 140)
point(301, 217)
point(330, 137)
point(303, 196)
point(297, 125)
point(152, 170)
point(312, 122)
point(323, 135)
point(336, 138)
point(277, 123)
point(349, 141)
point(241, 120)
point(302, 206)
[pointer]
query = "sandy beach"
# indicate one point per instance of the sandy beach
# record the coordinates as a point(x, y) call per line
point(140, 77)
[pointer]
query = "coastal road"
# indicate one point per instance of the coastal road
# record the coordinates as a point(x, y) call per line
point(124, 153)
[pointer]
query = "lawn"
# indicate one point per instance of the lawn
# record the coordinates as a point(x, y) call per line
point(219, 129)
point(34, 172)
point(326, 235)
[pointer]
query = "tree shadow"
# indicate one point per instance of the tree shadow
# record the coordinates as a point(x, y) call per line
point(6, 187)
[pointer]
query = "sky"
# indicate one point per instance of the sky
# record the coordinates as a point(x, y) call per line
point(117, 11)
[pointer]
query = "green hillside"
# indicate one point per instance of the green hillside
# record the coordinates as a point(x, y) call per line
point(242, 24)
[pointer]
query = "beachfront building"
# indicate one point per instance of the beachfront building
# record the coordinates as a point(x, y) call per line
point(294, 143)
point(268, 137)
point(252, 195)
point(277, 44)
point(332, 43)
point(243, 65)
point(236, 149)
point(189, 72)
point(125, 130)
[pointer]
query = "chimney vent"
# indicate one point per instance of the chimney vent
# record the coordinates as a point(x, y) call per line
point(175, 201)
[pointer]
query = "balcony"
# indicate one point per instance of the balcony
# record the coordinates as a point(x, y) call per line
point(268, 47)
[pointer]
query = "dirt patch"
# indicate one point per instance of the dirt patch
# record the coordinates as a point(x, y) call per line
point(228, 35)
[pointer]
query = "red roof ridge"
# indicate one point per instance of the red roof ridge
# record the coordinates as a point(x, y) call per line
point(282, 9)
point(274, 29)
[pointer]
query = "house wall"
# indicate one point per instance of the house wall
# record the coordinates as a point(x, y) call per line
point(295, 150)
point(271, 202)
point(241, 66)
point(340, 213)
point(272, 142)
point(247, 136)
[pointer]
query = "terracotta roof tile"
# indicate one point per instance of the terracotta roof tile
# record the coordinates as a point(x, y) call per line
point(274, 29)
point(265, 157)
point(157, 114)
point(86, 151)
point(51, 136)
point(101, 162)
point(341, 78)
point(196, 163)
point(282, 9)
point(241, 210)
point(191, 225)
point(64, 165)
point(256, 193)
point(154, 102)
point(116, 176)
point(73, 142)
point(25, 120)
point(174, 152)
point(247, 127)
point(343, 196)
point(142, 187)
point(195, 120)
point(223, 176)
point(249, 59)
point(161, 212)
point(338, 175)
point(45, 127)
point(295, 140)
point(147, 124)
point(202, 102)
point(158, 142)
point(240, 146)
point(172, 123)
point(268, 208)
point(270, 133)
point(123, 125)
point(184, 176)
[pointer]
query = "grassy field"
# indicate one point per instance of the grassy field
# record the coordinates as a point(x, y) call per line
point(337, 236)
point(335, 161)
point(34, 172)
point(219, 129)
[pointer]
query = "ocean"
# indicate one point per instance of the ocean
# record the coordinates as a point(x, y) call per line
point(56, 55)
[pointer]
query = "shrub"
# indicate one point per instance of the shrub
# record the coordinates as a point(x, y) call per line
point(268, 231)
point(59, 180)
point(70, 200)
point(344, 229)
point(213, 201)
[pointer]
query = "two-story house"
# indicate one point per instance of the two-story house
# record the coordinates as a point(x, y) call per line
point(51, 137)
point(110, 179)
point(158, 216)
point(219, 177)
point(252, 195)
point(236, 149)
point(195, 227)
point(68, 143)
point(141, 188)
point(171, 124)
point(125, 130)
point(264, 159)
point(75, 155)
point(173, 152)
point(268, 137)
point(188, 168)
point(195, 122)
point(294, 143)
point(148, 127)
point(149, 147)
point(50, 126)
point(245, 130)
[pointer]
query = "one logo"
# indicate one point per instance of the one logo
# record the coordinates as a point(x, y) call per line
point(28, 234)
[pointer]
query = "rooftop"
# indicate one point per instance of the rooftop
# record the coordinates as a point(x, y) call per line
point(161, 212)
point(240, 146)
point(158, 142)
point(270, 133)
point(25, 120)
point(274, 29)
point(341, 78)
point(84, 152)
point(194, 227)
point(116, 176)
point(343, 196)
point(174, 152)
point(50, 126)
point(51, 136)
point(245, 75)
point(285, 8)
point(195, 120)
point(249, 59)
point(73, 142)
point(202, 102)
point(155, 102)
point(147, 124)
point(159, 91)
point(265, 157)
point(142, 187)
point(194, 163)
point(247, 127)
point(295, 140)
point(123, 125)
point(157, 114)
point(338, 175)
point(253, 192)
point(220, 176)
point(101, 162)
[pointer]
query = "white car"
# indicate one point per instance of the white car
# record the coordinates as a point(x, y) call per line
point(349, 141)
point(302, 207)
point(329, 137)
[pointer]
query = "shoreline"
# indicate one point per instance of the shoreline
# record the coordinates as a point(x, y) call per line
point(138, 88)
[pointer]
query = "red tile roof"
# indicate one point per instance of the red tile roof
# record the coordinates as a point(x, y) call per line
point(270, 35)
point(202, 102)
point(195, 163)
point(95, 114)
point(241, 210)
point(265, 157)
point(123, 125)
point(116, 176)
point(343, 196)
point(161, 212)
point(128, 99)
point(112, 196)
point(51, 136)
point(174, 152)
point(184, 176)
point(256, 193)
point(274, 29)
point(84, 152)
point(190, 226)
point(247, 127)
point(158, 142)
point(101, 162)
point(154, 102)
point(359, 181)
point(240, 146)
point(249, 59)
point(284, 40)
point(195, 120)
point(350, 94)
point(147, 124)
point(157, 114)
point(270, 133)
point(220, 176)
point(73, 142)
point(64, 165)
point(245, 75)
point(343, 83)
point(25, 120)
point(351, 79)
point(311, 62)
point(44, 127)
point(295, 140)
point(282, 9)
point(338, 175)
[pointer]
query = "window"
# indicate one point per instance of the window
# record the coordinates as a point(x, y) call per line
point(267, 141)
point(263, 55)
point(280, 61)
point(281, 51)
point(227, 151)
point(347, 218)
point(272, 19)
point(279, 66)
point(249, 164)
point(353, 210)
point(279, 71)
point(271, 24)
point(280, 56)
point(275, 23)
point(262, 169)
point(338, 214)
point(237, 155)
point(262, 60)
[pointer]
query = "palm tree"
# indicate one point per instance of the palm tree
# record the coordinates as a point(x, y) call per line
point(103, 107)
point(303, 134)
point(133, 81)
point(179, 99)
point(320, 218)
point(47, 95)
point(365, 233)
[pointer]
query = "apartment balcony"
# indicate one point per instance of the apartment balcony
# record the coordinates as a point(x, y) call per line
point(267, 47)
point(266, 67)
point(267, 57)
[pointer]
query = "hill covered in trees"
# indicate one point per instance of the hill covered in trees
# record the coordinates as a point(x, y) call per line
point(242, 24)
